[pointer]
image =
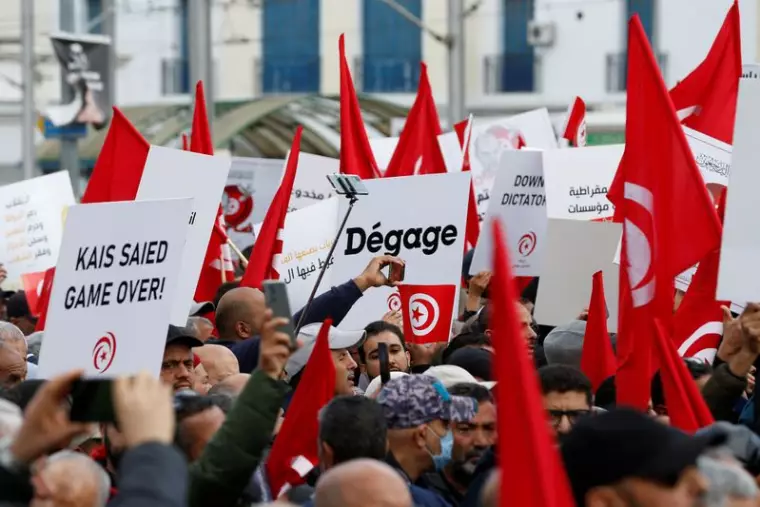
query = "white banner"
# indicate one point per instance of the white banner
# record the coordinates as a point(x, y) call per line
point(169, 174)
point(32, 226)
point(713, 156)
point(492, 137)
point(311, 185)
point(383, 148)
point(114, 287)
point(306, 239)
point(520, 202)
point(420, 219)
point(251, 185)
point(577, 181)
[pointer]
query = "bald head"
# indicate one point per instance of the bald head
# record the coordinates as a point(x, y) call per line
point(218, 361)
point(240, 313)
point(13, 337)
point(69, 478)
point(231, 386)
point(362, 483)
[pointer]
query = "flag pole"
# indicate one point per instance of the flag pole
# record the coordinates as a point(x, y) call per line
point(221, 265)
point(238, 252)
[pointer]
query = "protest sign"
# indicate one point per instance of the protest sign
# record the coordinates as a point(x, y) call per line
point(170, 173)
point(751, 71)
point(311, 185)
point(577, 181)
point(713, 156)
point(115, 283)
point(420, 219)
point(32, 225)
point(306, 239)
point(738, 276)
point(251, 185)
point(490, 138)
point(383, 148)
point(519, 201)
point(575, 250)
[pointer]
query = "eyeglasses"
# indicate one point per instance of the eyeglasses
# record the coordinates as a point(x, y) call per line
point(573, 416)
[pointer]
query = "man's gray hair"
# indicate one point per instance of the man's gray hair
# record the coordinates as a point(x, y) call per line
point(727, 480)
point(10, 333)
point(11, 418)
point(104, 482)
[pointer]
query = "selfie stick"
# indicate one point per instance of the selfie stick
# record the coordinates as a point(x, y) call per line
point(347, 189)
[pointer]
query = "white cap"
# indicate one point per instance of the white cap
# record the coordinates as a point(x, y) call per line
point(338, 340)
point(374, 387)
point(449, 375)
point(200, 308)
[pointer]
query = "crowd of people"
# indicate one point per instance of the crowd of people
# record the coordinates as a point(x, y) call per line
point(424, 435)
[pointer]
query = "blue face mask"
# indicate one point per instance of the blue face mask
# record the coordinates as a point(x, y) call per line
point(447, 443)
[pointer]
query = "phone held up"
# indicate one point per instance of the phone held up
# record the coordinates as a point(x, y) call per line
point(276, 296)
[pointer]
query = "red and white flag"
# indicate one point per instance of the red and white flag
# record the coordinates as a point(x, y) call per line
point(427, 311)
point(33, 284)
point(575, 124)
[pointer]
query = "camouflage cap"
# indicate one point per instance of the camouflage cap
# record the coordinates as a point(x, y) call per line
point(412, 400)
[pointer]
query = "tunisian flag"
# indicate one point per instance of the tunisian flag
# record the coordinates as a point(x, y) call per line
point(597, 357)
point(218, 256)
point(268, 244)
point(356, 155)
point(44, 300)
point(532, 473)
point(669, 220)
point(418, 142)
point(472, 227)
point(427, 312)
point(575, 123)
point(294, 452)
point(713, 87)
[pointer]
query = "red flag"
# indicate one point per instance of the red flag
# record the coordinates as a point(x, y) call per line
point(294, 452)
point(427, 312)
point(218, 256)
point(713, 87)
point(356, 155)
point(575, 123)
point(669, 220)
point(698, 322)
point(33, 284)
point(267, 243)
point(418, 142)
point(118, 169)
point(597, 357)
point(44, 300)
point(472, 226)
point(532, 473)
point(686, 406)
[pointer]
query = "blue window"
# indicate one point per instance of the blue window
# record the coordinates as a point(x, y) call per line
point(392, 47)
point(517, 58)
point(645, 10)
point(290, 46)
point(95, 13)
point(183, 72)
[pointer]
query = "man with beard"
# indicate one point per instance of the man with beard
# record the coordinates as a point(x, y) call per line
point(383, 332)
point(471, 441)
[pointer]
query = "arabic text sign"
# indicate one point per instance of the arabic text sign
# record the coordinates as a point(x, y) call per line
point(713, 156)
point(169, 174)
point(577, 181)
point(420, 219)
point(251, 185)
point(311, 185)
point(32, 224)
point(306, 240)
point(519, 201)
point(114, 284)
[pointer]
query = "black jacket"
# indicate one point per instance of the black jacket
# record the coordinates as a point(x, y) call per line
point(152, 475)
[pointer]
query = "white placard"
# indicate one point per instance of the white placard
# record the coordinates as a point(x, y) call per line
point(251, 185)
point(577, 181)
point(575, 250)
point(32, 225)
point(306, 239)
point(114, 284)
point(519, 201)
point(738, 276)
point(420, 219)
point(713, 156)
point(170, 174)
point(451, 150)
point(311, 185)
point(492, 137)
point(751, 71)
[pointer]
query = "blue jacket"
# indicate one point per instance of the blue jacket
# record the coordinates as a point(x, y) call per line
point(335, 304)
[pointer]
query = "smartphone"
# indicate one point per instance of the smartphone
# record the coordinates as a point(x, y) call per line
point(91, 401)
point(382, 358)
point(396, 272)
point(276, 296)
point(347, 184)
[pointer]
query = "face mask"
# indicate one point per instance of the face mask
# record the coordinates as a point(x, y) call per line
point(442, 459)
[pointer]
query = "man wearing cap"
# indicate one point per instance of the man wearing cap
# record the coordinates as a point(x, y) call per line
point(177, 365)
point(624, 458)
point(340, 342)
point(419, 413)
